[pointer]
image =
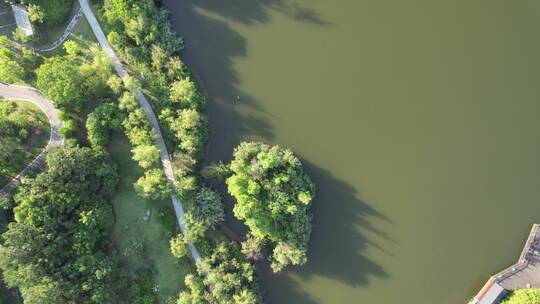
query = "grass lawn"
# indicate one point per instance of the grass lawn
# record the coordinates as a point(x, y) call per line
point(36, 141)
point(130, 228)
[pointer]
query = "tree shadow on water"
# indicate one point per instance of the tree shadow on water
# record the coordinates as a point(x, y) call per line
point(258, 11)
point(339, 242)
point(212, 46)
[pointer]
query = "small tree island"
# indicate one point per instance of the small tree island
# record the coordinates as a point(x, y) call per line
point(273, 198)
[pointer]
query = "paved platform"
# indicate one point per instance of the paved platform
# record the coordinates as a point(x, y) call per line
point(523, 274)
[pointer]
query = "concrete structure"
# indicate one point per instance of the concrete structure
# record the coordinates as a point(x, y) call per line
point(523, 274)
point(22, 20)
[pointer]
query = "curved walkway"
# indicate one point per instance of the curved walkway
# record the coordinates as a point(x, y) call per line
point(145, 105)
point(62, 38)
point(34, 96)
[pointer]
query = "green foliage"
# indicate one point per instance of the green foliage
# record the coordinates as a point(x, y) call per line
point(153, 185)
point(184, 165)
point(18, 126)
point(253, 247)
point(142, 36)
point(76, 79)
point(100, 123)
point(216, 172)
point(167, 219)
point(185, 93)
point(138, 128)
point(11, 71)
point(143, 291)
point(223, 277)
point(146, 155)
point(16, 61)
point(61, 81)
point(179, 247)
point(523, 296)
point(72, 48)
point(49, 11)
point(273, 197)
point(190, 129)
point(208, 207)
point(55, 251)
point(197, 228)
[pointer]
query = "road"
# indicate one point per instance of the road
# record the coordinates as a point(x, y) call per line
point(145, 105)
point(34, 96)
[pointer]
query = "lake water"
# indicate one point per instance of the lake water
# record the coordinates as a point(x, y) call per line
point(418, 120)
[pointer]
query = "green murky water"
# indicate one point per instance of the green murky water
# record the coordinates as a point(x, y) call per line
point(418, 120)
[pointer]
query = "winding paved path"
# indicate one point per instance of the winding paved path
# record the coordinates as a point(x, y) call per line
point(62, 38)
point(145, 105)
point(36, 97)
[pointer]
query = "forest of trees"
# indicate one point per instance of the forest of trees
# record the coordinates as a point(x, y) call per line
point(56, 250)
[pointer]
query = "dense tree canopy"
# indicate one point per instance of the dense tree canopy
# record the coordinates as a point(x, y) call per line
point(56, 250)
point(61, 81)
point(273, 197)
point(223, 277)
